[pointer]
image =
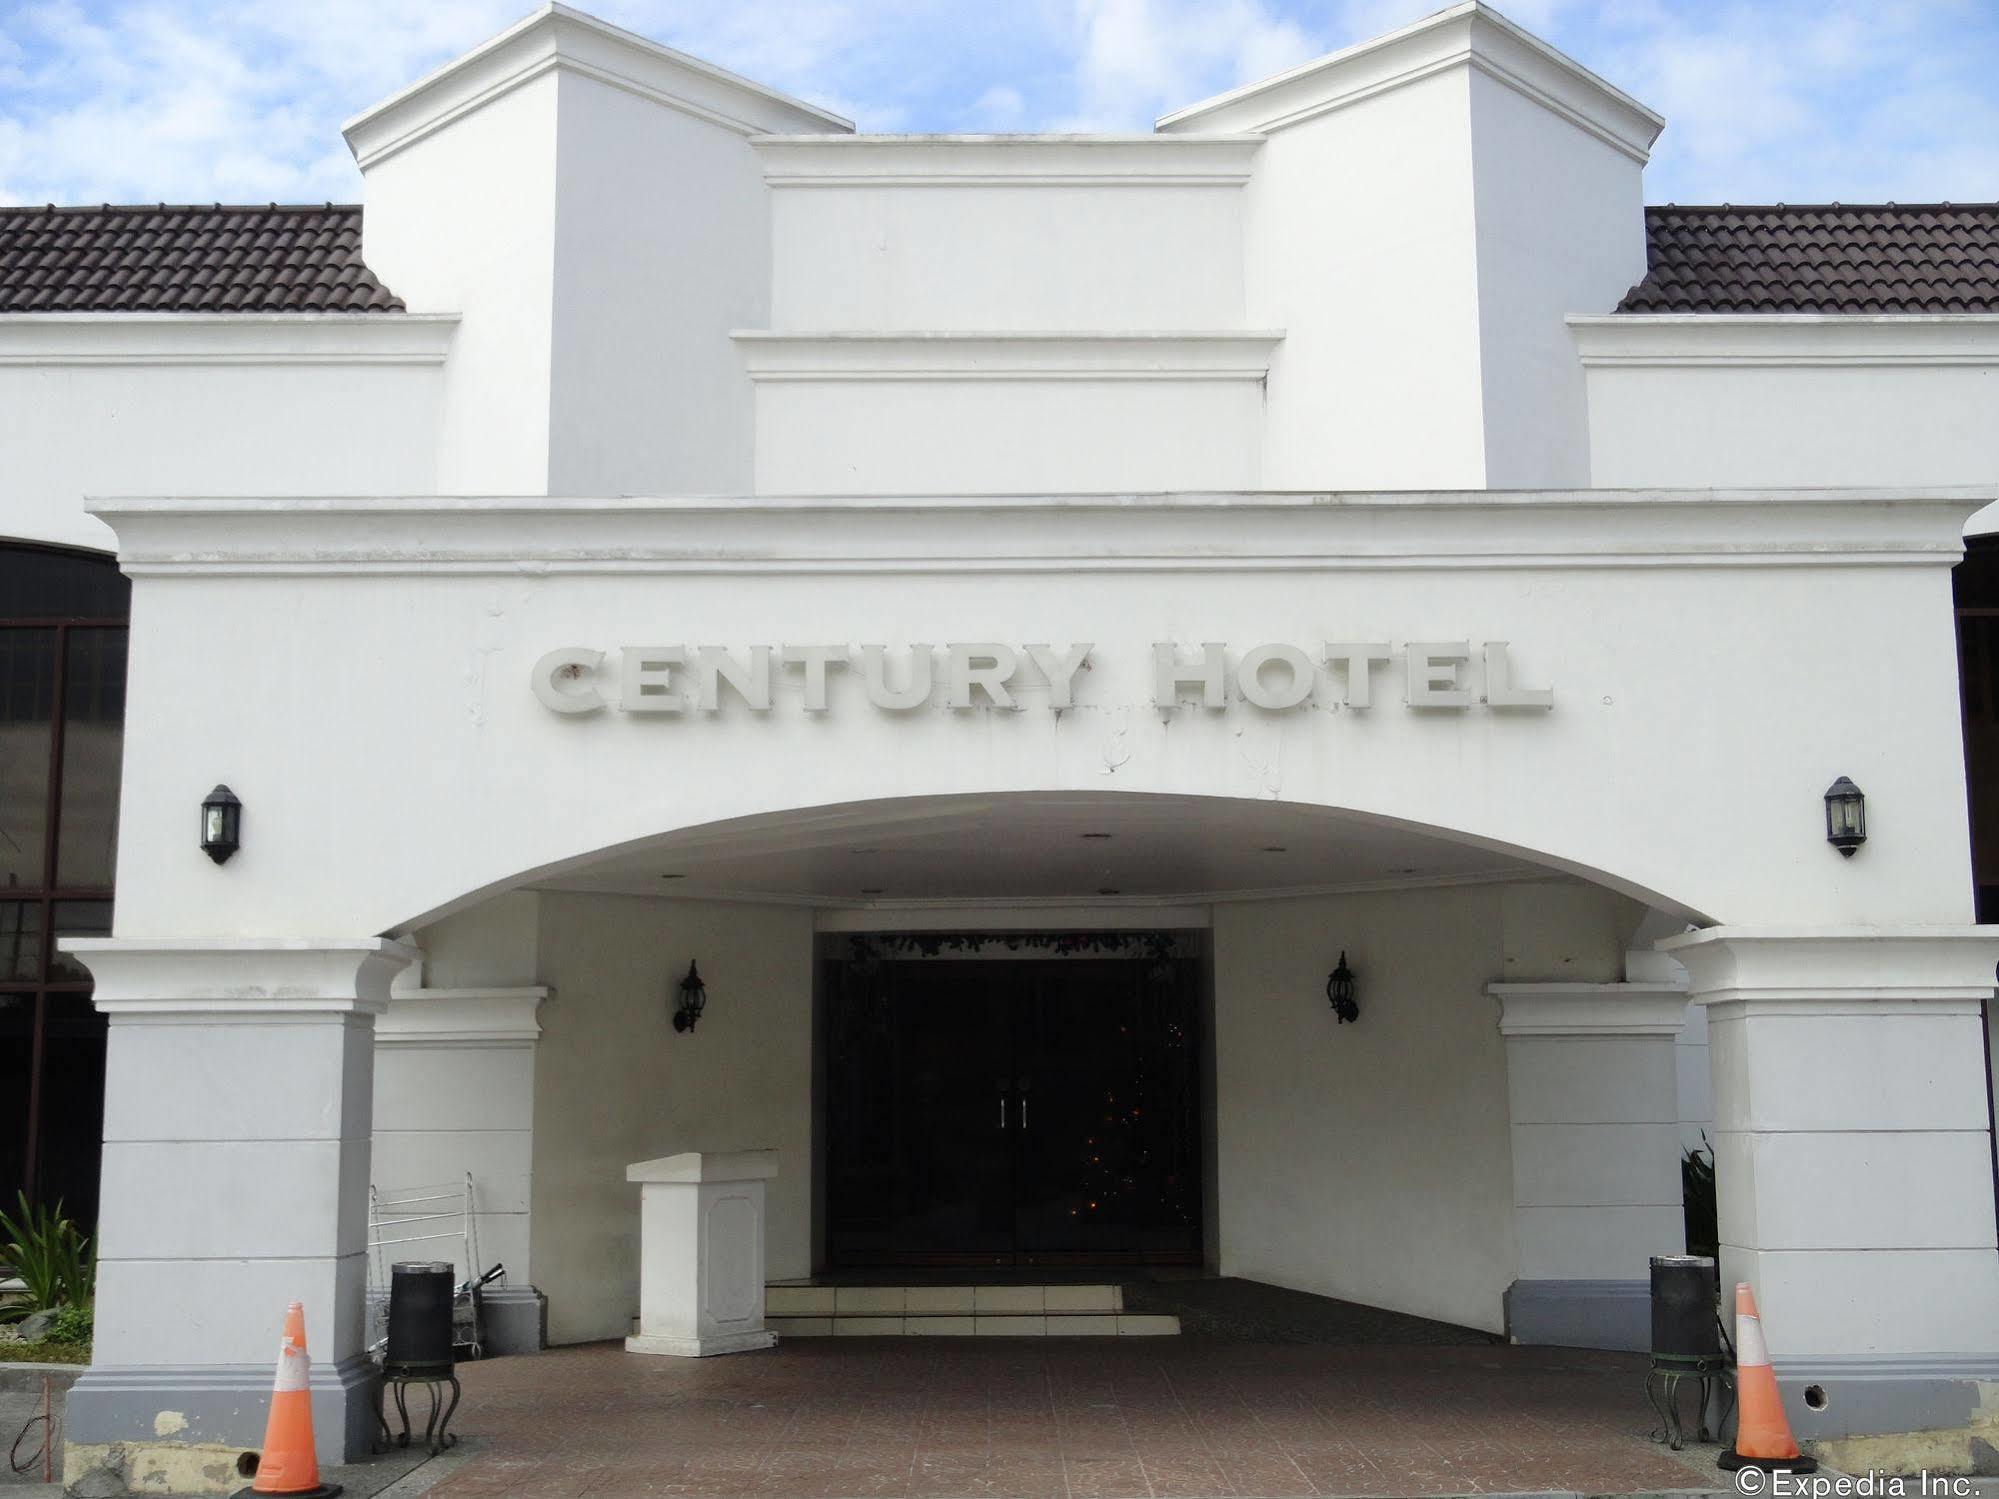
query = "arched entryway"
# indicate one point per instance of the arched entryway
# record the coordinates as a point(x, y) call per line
point(1034, 1029)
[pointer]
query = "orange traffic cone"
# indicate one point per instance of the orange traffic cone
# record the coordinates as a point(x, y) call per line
point(1762, 1435)
point(289, 1465)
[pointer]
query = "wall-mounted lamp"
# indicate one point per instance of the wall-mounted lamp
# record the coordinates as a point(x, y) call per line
point(221, 824)
point(1340, 991)
point(1845, 816)
point(693, 1000)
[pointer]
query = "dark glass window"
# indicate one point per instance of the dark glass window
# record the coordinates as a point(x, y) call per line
point(27, 736)
point(62, 708)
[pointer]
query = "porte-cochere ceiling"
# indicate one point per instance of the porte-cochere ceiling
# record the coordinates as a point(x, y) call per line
point(1057, 847)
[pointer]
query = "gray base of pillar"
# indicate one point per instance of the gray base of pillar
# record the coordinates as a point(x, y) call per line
point(1934, 1409)
point(184, 1428)
point(1615, 1314)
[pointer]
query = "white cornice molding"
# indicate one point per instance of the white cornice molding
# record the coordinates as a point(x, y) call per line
point(1083, 534)
point(1467, 35)
point(251, 979)
point(461, 1017)
point(225, 338)
point(1849, 970)
point(556, 37)
point(1695, 340)
point(820, 357)
point(868, 161)
point(1571, 1009)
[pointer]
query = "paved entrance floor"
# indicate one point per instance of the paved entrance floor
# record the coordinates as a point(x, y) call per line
point(1047, 1418)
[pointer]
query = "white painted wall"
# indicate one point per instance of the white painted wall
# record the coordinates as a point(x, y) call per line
point(662, 246)
point(454, 1097)
point(1731, 682)
point(1373, 1162)
point(454, 1083)
point(1007, 415)
point(1793, 399)
point(1693, 1087)
point(1427, 207)
point(615, 1083)
point(462, 219)
point(1360, 236)
point(1015, 233)
point(588, 200)
point(1367, 1162)
point(1560, 225)
point(1590, 1085)
point(123, 404)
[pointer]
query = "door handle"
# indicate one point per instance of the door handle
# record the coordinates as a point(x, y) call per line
point(1002, 1104)
point(1023, 1111)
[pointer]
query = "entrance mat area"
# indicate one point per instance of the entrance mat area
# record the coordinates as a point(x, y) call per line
point(1254, 1312)
point(1055, 1419)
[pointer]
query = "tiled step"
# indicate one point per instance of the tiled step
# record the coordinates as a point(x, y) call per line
point(802, 1311)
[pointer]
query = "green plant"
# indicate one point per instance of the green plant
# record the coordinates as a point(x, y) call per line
point(72, 1325)
point(1697, 1198)
point(53, 1259)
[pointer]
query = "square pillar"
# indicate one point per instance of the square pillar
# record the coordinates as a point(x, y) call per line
point(454, 1096)
point(1853, 1167)
point(701, 1253)
point(238, 1106)
point(1594, 1120)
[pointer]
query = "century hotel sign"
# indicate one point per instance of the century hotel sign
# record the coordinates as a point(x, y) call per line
point(968, 675)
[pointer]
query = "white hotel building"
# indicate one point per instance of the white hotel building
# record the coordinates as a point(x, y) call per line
point(1015, 610)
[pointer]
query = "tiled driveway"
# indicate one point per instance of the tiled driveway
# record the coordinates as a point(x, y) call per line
point(1051, 1418)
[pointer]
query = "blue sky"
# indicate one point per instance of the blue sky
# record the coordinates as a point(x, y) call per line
point(241, 100)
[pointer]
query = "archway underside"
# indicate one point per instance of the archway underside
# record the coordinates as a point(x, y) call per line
point(1055, 848)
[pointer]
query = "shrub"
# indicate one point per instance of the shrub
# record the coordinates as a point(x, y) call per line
point(50, 1255)
point(72, 1326)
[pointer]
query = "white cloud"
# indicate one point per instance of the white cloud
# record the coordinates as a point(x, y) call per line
point(194, 100)
point(1137, 59)
point(999, 107)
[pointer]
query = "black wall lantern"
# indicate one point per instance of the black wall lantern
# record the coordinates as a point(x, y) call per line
point(1340, 991)
point(1845, 816)
point(693, 1000)
point(221, 824)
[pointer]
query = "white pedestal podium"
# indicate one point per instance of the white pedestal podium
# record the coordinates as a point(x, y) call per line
point(701, 1253)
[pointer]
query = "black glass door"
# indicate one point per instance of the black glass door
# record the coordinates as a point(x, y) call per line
point(1003, 1111)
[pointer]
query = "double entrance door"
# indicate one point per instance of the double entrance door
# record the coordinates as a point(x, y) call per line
point(1013, 1111)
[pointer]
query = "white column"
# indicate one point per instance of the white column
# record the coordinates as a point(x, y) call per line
point(238, 1095)
point(1853, 1163)
point(701, 1252)
point(1596, 1156)
point(454, 1097)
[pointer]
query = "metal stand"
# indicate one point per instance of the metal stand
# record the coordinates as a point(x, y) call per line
point(437, 1434)
point(1662, 1387)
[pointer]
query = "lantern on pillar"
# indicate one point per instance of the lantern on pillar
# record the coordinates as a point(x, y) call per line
point(1845, 816)
point(221, 824)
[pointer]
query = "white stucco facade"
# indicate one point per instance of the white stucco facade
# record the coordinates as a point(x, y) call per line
point(1567, 619)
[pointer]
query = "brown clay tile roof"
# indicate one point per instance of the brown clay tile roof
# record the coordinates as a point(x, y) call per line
point(1857, 258)
point(173, 258)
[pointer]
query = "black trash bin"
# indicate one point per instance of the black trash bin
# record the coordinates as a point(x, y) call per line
point(420, 1297)
point(1684, 1325)
point(1686, 1344)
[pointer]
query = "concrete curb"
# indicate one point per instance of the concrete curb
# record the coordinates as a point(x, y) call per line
point(432, 1471)
point(19, 1378)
